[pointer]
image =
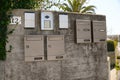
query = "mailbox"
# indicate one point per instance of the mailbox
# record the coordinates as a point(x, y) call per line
point(99, 31)
point(29, 20)
point(83, 31)
point(34, 47)
point(46, 21)
point(63, 21)
point(55, 47)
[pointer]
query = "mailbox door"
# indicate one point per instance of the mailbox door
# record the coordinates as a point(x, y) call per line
point(34, 47)
point(99, 31)
point(55, 47)
point(83, 31)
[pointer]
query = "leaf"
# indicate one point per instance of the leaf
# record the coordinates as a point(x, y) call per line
point(88, 9)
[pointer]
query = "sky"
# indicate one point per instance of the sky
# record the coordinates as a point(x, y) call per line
point(110, 8)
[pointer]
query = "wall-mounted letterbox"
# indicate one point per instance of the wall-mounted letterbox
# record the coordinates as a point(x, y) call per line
point(55, 47)
point(34, 47)
point(46, 21)
point(63, 21)
point(83, 31)
point(29, 20)
point(99, 31)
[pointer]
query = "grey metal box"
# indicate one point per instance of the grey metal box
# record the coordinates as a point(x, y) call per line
point(34, 47)
point(99, 31)
point(83, 31)
point(55, 47)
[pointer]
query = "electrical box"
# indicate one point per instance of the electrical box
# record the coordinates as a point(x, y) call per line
point(83, 31)
point(55, 47)
point(46, 21)
point(34, 47)
point(63, 21)
point(99, 31)
point(29, 20)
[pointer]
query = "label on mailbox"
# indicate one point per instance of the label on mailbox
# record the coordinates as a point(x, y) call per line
point(83, 31)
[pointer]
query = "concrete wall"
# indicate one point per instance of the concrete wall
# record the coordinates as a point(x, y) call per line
point(82, 62)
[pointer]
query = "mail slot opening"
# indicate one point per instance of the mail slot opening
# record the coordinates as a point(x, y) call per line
point(102, 39)
point(87, 40)
point(38, 58)
point(59, 57)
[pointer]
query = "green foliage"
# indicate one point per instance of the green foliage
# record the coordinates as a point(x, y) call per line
point(118, 57)
point(4, 21)
point(77, 6)
point(117, 66)
point(110, 46)
point(115, 43)
point(3, 38)
point(112, 66)
point(24, 4)
point(48, 4)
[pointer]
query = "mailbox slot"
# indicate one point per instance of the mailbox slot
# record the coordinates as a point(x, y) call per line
point(83, 31)
point(34, 47)
point(99, 31)
point(55, 47)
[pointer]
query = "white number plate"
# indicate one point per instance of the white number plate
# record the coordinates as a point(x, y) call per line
point(15, 20)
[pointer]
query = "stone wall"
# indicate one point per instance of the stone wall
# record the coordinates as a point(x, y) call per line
point(84, 61)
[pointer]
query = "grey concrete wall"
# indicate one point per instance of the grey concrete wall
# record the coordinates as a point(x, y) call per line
point(82, 62)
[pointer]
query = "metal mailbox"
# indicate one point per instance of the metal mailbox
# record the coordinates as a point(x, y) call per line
point(55, 47)
point(34, 47)
point(99, 31)
point(83, 31)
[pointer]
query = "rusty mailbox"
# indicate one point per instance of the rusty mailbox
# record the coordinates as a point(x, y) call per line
point(34, 47)
point(83, 31)
point(99, 31)
point(55, 47)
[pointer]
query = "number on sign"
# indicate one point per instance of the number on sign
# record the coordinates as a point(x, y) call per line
point(15, 20)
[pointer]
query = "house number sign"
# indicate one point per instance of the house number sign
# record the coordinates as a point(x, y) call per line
point(15, 20)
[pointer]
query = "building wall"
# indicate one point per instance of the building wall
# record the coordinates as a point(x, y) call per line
point(83, 61)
